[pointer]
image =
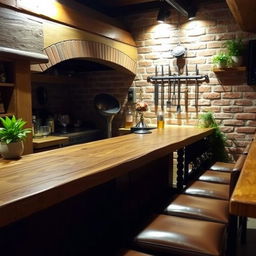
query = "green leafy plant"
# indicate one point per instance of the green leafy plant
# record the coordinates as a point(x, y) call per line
point(235, 47)
point(13, 130)
point(218, 139)
point(222, 59)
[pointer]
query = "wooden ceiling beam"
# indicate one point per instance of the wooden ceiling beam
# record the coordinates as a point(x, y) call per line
point(244, 13)
point(72, 14)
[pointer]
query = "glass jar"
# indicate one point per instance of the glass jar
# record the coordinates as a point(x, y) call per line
point(129, 117)
point(160, 119)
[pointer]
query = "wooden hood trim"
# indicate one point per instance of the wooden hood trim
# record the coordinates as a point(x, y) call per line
point(94, 51)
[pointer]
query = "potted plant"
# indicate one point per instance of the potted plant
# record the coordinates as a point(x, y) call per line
point(222, 60)
point(235, 49)
point(12, 135)
point(218, 139)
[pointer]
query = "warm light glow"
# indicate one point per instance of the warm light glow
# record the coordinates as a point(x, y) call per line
point(48, 7)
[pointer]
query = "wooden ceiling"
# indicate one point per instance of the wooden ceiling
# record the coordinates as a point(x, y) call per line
point(242, 10)
point(117, 8)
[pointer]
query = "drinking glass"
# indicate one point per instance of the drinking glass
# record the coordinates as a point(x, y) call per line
point(45, 130)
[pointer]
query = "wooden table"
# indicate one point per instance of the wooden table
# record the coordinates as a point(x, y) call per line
point(243, 199)
point(40, 180)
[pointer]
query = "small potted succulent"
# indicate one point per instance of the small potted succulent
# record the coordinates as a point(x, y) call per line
point(222, 60)
point(235, 49)
point(12, 135)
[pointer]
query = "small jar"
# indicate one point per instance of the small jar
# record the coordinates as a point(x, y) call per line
point(128, 118)
point(160, 119)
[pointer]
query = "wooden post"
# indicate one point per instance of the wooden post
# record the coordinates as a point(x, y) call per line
point(23, 98)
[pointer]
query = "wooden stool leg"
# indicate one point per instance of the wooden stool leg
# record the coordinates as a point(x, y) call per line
point(243, 229)
point(232, 235)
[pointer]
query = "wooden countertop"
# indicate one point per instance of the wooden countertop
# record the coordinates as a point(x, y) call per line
point(49, 141)
point(40, 180)
point(243, 199)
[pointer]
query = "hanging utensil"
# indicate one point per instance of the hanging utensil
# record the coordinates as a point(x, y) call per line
point(169, 103)
point(196, 90)
point(156, 91)
point(173, 100)
point(162, 89)
point(186, 91)
point(178, 105)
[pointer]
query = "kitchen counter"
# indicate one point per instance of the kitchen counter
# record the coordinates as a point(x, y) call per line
point(49, 141)
point(40, 180)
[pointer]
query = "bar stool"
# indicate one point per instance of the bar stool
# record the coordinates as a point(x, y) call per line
point(209, 190)
point(182, 236)
point(215, 177)
point(227, 167)
point(222, 167)
point(199, 208)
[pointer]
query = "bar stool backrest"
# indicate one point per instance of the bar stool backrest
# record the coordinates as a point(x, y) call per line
point(236, 172)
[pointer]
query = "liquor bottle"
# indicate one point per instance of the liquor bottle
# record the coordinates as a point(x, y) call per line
point(129, 117)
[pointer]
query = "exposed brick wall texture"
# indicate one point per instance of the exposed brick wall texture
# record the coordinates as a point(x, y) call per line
point(227, 94)
point(77, 99)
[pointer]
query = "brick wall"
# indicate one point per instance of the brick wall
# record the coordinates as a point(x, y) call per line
point(226, 94)
point(77, 99)
point(111, 82)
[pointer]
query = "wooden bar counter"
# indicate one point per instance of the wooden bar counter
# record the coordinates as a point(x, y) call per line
point(243, 199)
point(38, 181)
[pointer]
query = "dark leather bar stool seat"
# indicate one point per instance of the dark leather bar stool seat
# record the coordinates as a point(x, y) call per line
point(207, 189)
point(222, 167)
point(132, 253)
point(199, 208)
point(216, 177)
point(172, 235)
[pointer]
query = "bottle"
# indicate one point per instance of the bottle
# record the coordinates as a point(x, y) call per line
point(128, 117)
point(160, 119)
point(33, 125)
point(50, 123)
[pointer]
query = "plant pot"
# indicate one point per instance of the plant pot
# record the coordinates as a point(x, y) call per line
point(12, 150)
point(222, 65)
point(237, 61)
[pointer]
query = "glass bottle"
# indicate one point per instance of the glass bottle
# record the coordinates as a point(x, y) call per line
point(160, 119)
point(129, 117)
point(34, 125)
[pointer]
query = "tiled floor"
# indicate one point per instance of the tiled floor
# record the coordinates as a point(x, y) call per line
point(249, 249)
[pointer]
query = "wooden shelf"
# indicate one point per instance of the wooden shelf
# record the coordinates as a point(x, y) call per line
point(7, 84)
point(7, 114)
point(234, 69)
point(49, 141)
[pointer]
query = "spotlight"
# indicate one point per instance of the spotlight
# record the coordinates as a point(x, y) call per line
point(185, 7)
point(163, 14)
point(191, 14)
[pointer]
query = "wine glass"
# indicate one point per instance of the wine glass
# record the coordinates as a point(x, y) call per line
point(64, 121)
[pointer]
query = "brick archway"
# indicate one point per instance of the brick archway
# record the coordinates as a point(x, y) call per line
point(94, 51)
